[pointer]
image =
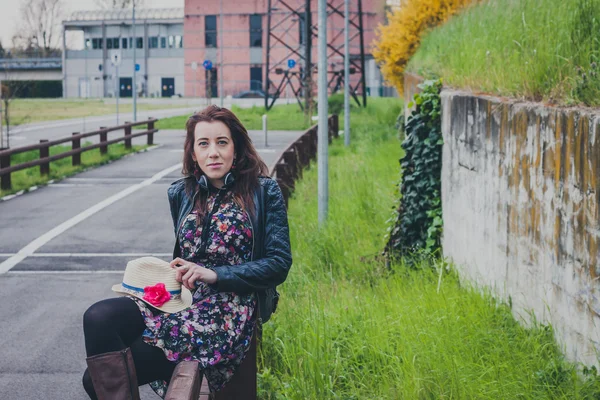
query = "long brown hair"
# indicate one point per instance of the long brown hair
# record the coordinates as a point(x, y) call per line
point(249, 165)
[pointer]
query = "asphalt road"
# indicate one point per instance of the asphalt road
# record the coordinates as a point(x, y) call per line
point(64, 245)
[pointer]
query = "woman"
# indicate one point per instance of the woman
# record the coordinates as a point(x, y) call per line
point(231, 250)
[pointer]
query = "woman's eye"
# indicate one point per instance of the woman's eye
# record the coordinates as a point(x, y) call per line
point(223, 142)
point(202, 143)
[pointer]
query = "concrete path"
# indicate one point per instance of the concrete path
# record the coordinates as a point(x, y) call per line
point(64, 245)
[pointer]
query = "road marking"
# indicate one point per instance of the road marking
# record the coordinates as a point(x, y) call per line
point(29, 249)
point(92, 255)
point(64, 272)
point(102, 255)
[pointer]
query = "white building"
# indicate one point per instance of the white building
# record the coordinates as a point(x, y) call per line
point(159, 53)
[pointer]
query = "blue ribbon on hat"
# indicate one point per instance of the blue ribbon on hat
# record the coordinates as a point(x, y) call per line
point(173, 292)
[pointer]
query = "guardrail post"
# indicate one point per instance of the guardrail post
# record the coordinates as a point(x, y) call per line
point(44, 153)
point(283, 179)
point(313, 143)
point(127, 133)
point(151, 134)
point(103, 139)
point(301, 153)
point(75, 145)
point(335, 125)
point(5, 182)
point(290, 159)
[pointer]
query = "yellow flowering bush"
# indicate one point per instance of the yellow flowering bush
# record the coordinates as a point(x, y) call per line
point(397, 41)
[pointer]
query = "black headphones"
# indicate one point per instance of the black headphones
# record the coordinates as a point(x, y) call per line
point(227, 180)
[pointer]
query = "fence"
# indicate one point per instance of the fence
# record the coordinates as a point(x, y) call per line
point(298, 155)
point(44, 147)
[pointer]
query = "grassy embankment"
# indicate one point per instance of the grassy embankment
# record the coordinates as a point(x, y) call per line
point(538, 49)
point(24, 111)
point(62, 168)
point(348, 328)
point(280, 117)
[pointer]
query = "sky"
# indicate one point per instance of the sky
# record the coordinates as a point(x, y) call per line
point(10, 11)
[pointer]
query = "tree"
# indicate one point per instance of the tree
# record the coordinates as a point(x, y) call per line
point(116, 4)
point(399, 39)
point(40, 25)
point(2, 52)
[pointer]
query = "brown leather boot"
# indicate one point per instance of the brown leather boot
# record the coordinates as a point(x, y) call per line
point(113, 375)
point(185, 382)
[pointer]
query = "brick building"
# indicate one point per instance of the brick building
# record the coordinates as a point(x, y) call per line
point(172, 45)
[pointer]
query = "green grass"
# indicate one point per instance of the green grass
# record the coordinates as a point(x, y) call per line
point(24, 111)
point(280, 117)
point(62, 168)
point(538, 49)
point(347, 327)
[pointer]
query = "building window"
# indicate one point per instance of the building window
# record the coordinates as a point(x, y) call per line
point(109, 43)
point(210, 31)
point(179, 41)
point(153, 42)
point(256, 78)
point(96, 43)
point(124, 43)
point(139, 43)
point(115, 43)
point(255, 31)
point(163, 42)
point(88, 43)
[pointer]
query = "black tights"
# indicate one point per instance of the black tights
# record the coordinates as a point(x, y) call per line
point(115, 324)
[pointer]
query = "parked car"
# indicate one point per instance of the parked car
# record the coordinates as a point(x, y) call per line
point(252, 94)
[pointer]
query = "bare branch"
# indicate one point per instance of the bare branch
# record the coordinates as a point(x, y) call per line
point(41, 24)
point(118, 4)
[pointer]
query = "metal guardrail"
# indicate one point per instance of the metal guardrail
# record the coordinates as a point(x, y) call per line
point(13, 64)
point(299, 155)
point(44, 148)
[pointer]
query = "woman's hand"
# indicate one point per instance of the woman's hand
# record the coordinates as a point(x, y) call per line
point(188, 273)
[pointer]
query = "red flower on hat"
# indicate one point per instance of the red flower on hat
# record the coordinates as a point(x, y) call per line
point(156, 295)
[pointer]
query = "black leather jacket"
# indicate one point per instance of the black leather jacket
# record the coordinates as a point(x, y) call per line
point(271, 255)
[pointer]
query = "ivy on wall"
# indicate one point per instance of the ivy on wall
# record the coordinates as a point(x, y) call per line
point(418, 221)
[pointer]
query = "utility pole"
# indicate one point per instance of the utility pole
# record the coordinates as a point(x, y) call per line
point(134, 46)
point(323, 134)
point(221, 53)
point(347, 72)
point(308, 62)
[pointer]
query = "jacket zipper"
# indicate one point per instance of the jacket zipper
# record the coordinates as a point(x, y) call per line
point(252, 230)
point(185, 215)
point(206, 224)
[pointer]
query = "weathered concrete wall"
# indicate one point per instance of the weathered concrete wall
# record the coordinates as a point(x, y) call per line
point(411, 82)
point(520, 195)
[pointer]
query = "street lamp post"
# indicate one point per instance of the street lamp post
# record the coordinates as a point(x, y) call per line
point(323, 128)
point(134, 46)
point(221, 53)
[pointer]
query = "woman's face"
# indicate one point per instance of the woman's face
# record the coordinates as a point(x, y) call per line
point(213, 150)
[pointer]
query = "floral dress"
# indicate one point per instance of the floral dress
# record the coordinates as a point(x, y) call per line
point(217, 329)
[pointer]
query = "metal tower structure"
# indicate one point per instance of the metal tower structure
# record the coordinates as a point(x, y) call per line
point(290, 51)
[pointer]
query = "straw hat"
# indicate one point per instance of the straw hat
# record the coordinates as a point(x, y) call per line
point(152, 280)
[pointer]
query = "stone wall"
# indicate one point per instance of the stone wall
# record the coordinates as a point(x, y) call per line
point(520, 199)
point(520, 196)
